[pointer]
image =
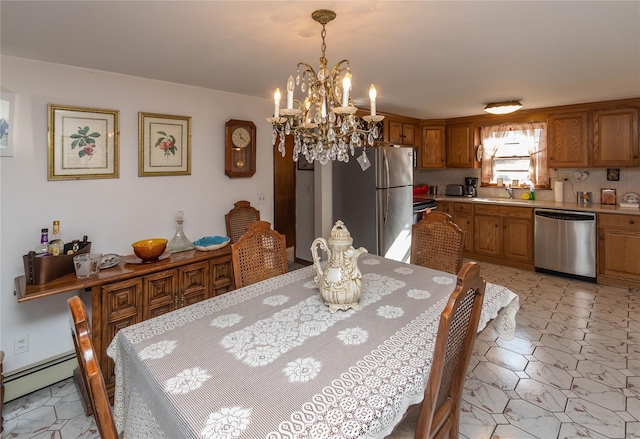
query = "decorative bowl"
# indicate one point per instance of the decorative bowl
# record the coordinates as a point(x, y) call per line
point(209, 243)
point(149, 249)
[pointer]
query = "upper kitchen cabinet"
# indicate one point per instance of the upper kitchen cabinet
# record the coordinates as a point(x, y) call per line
point(460, 150)
point(432, 148)
point(615, 138)
point(568, 138)
point(402, 133)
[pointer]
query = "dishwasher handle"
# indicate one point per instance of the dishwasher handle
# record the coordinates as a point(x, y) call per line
point(565, 216)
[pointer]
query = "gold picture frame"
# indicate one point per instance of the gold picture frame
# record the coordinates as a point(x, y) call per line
point(164, 145)
point(83, 143)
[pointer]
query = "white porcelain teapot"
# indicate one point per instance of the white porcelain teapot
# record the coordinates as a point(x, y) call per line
point(341, 282)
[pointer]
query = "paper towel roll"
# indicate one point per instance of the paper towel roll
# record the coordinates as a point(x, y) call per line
point(558, 191)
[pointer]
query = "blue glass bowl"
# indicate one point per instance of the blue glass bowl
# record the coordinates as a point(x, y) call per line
point(209, 243)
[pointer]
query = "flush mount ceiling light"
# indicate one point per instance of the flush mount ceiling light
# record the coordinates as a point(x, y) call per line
point(503, 107)
point(323, 123)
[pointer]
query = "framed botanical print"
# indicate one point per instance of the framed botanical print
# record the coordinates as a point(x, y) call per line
point(7, 105)
point(83, 143)
point(165, 145)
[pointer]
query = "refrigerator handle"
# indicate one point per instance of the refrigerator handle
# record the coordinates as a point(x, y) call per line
point(385, 160)
point(386, 208)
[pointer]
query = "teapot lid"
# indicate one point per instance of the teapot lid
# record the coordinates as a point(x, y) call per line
point(340, 234)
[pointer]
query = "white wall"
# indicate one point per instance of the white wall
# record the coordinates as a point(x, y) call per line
point(112, 212)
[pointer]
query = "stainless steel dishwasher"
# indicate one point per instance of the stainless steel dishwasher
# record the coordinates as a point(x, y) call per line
point(565, 243)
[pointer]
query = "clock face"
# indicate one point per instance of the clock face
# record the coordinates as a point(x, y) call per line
point(241, 137)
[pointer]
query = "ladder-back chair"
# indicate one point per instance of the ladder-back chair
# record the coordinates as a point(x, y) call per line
point(437, 243)
point(439, 412)
point(259, 254)
point(90, 369)
point(239, 218)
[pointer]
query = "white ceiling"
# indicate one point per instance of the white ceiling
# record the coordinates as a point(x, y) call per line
point(428, 59)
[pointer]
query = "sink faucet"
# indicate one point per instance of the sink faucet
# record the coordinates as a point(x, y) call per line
point(510, 190)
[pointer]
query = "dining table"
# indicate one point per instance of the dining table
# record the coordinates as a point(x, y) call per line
point(270, 360)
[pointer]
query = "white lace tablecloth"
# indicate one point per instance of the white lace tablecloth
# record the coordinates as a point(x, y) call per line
point(270, 360)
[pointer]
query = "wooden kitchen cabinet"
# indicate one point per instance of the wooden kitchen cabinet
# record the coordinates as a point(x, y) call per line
point(568, 138)
point(619, 250)
point(462, 215)
point(460, 149)
point(615, 138)
point(504, 234)
point(402, 133)
point(432, 148)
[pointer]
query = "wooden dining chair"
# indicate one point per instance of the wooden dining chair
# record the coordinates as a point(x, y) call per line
point(90, 369)
point(437, 242)
point(259, 254)
point(239, 218)
point(439, 412)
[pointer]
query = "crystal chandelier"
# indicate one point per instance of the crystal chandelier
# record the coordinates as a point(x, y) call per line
point(324, 125)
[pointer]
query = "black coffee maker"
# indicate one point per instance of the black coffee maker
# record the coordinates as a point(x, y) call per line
point(470, 186)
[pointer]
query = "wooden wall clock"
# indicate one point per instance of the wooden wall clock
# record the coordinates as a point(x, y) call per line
point(240, 148)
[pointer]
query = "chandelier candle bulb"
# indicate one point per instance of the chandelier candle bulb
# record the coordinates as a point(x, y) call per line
point(290, 88)
point(276, 99)
point(372, 96)
point(346, 86)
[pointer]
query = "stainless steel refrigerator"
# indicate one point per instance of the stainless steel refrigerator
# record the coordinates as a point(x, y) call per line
point(376, 204)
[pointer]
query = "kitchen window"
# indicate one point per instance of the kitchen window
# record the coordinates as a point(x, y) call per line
point(515, 152)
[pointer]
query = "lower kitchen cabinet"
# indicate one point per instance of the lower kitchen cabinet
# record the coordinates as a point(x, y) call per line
point(503, 235)
point(619, 250)
point(462, 215)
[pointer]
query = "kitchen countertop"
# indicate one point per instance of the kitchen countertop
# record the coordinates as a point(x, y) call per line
point(594, 207)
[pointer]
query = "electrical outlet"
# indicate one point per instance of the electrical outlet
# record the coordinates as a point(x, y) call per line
point(564, 177)
point(21, 345)
point(262, 198)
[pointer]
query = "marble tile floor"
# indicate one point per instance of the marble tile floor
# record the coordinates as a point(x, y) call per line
point(572, 371)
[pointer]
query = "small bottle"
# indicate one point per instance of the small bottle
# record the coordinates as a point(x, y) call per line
point(56, 245)
point(180, 242)
point(43, 247)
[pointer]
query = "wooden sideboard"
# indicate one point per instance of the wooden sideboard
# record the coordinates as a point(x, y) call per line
point(131, 293)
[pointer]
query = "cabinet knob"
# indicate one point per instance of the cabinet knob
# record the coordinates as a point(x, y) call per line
point(632, 222)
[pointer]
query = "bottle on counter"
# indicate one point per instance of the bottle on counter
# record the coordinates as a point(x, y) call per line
point(43, 247)
point(56, 245)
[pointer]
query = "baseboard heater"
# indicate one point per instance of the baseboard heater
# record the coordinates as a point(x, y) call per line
point(36, 376)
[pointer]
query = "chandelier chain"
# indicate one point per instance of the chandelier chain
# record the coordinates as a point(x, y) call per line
point(323, 46)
